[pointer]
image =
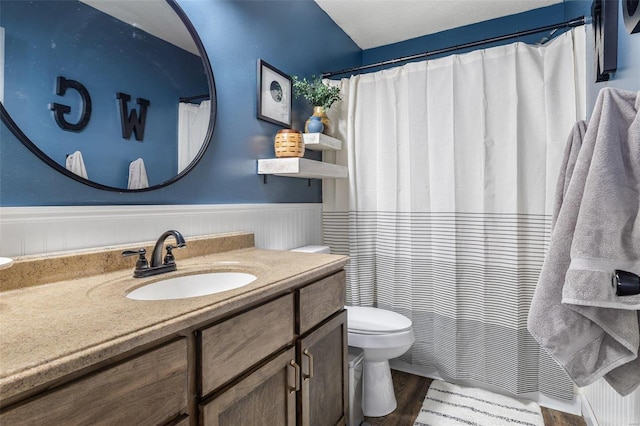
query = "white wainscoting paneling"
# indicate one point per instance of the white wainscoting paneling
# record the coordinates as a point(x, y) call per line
point(609, 408)
point(40, 230)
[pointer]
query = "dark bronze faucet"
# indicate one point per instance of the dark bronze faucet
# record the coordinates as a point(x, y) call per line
point(158, 265)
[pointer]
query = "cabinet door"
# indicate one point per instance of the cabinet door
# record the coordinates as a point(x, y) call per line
point(266, 397)
point(323, 360)
point(149, 389)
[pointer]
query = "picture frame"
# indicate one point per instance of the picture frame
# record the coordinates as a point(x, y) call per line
point(275, 95)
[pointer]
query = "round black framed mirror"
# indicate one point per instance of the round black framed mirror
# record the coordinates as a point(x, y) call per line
point(118, 95)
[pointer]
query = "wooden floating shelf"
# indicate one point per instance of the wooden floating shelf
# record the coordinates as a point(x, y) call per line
point(301, 168)
point(321, 142)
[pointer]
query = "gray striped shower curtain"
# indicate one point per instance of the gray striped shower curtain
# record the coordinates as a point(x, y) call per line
point(446, 212)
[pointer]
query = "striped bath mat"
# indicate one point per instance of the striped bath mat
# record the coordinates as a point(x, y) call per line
point(448, 404)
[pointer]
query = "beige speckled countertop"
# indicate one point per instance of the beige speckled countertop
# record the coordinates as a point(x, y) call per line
point(50, 330)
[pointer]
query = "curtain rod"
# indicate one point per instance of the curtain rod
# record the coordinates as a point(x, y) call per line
point(568, 24)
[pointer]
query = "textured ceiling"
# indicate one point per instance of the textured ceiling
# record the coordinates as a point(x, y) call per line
point(374, 23)
point(369, 23)
point(155, 17)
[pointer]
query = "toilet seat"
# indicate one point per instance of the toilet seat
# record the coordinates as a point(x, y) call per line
point(374, 321)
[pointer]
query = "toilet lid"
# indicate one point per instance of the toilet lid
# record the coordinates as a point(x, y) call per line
point(366, 320)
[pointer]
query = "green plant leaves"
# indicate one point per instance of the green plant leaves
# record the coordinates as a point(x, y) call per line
point(315, 91)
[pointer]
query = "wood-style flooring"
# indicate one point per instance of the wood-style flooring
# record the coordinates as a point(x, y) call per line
point(411, 391)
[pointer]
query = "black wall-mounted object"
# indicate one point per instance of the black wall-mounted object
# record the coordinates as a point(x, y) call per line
point(131, 121)
point(631, 15)
point(605, 29)
point(59, 110)
point(626, 283)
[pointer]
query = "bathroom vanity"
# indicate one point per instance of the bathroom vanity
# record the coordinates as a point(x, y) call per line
point(77, 351)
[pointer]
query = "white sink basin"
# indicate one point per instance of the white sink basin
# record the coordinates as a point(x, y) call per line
point(192, 286)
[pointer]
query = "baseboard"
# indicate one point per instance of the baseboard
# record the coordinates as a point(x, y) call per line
point(572, 407)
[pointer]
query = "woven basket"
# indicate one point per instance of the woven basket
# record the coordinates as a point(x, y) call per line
point(289, 143)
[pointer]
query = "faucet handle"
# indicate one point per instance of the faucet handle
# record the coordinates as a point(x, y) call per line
point(142, 262)
point(168, 259)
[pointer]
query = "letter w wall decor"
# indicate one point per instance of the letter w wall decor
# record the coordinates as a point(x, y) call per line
point(132, 122)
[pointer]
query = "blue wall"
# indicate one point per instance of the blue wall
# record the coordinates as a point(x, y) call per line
point(479, 31)
point(296, 37)
point(106, 56)
point(299, 39)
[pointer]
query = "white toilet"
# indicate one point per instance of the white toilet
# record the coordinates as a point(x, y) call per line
point(382, 335)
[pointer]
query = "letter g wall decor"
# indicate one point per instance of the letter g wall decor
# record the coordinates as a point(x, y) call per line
point(59, 110)
point(131, 122)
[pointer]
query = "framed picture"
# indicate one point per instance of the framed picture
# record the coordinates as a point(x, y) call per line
point(274, 95)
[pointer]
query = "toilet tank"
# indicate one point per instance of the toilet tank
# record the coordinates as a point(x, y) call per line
point(313, 249)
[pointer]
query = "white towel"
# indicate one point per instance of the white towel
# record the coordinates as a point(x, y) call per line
point(575, 314)
point(75, 164)
point(137, 175)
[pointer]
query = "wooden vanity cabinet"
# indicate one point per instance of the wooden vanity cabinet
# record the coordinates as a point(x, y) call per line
point(304, 383)
point(149, 389)
point(281, 361)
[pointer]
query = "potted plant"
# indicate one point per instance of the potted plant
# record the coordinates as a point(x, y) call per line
point(319, 95)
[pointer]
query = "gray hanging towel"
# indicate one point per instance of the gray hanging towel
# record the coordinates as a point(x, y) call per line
point(575, 314)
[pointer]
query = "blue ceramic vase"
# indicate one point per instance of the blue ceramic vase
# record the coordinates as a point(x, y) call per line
point(315, 125)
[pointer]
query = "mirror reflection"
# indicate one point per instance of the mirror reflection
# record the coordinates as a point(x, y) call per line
point(115, 91)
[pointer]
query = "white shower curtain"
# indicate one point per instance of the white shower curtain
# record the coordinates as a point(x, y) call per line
point(446, 213)
point(193, 123)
